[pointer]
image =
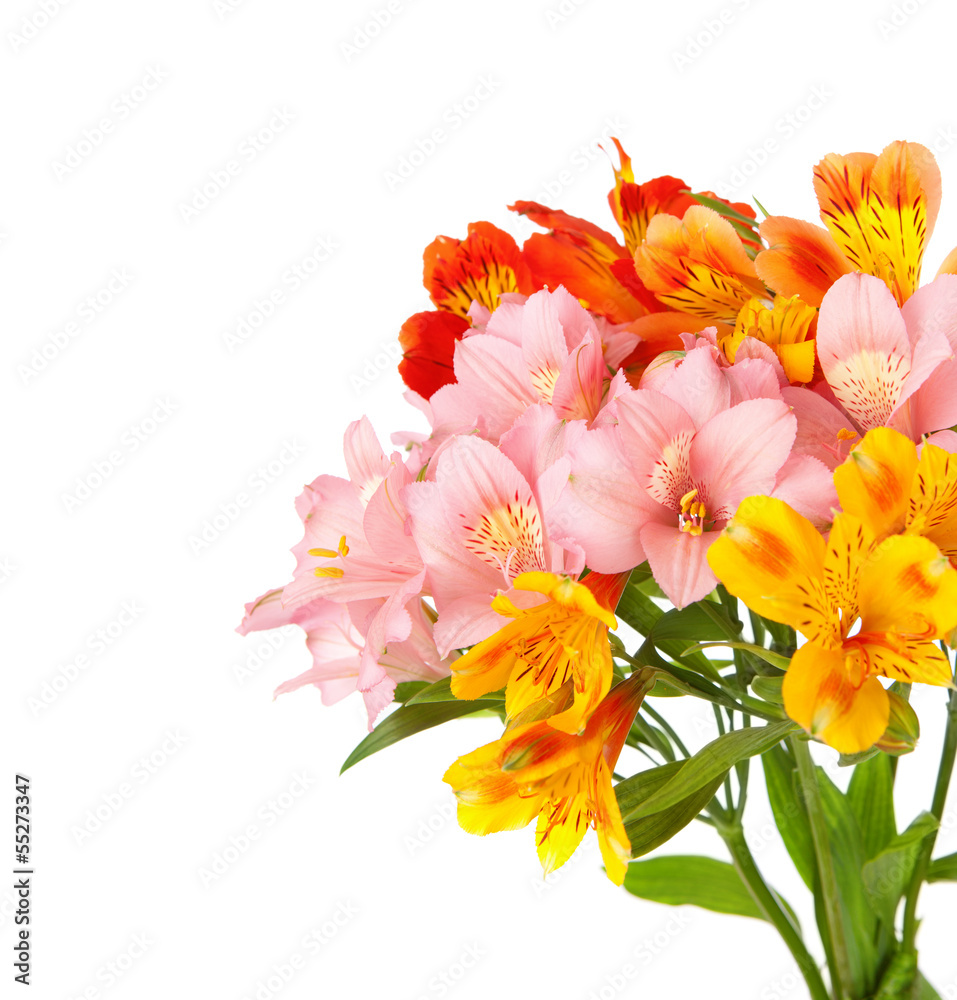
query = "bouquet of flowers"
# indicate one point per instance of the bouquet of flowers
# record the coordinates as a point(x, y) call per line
point(703, 456)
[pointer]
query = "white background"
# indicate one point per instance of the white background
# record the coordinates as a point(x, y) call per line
point(412, 892)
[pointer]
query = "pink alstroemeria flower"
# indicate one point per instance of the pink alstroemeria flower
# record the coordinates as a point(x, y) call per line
point(337, 645)
point(356, 547)
point(547, 349)
point(478, 523)
point(663, 482)
point(884, 365)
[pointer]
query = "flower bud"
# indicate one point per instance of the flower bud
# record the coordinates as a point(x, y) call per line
point(903, 727)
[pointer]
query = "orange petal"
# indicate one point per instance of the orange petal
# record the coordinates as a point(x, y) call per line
point(881, 210)
point(579, 255)
point(697, 265)
point(428, 342)
point(801, 259)
point(481, 267)
point(820, 696)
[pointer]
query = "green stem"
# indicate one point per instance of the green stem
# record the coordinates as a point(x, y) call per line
point(830, 896)
point(909, 935)
point(769, 905)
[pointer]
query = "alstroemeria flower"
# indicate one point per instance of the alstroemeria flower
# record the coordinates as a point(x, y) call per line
point(479, 524)
point(884, 483)
point(545, 350)
point(883, 365)
point(879, 212)
point(663, 482)
point(866, 610)
point(697, 265)
point(536, 770)
point(787, 327)
point(482, 268)
point(356, 547)
point(337, 645)
point(546, 646)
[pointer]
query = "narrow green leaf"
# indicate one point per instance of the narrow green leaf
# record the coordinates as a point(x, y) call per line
point(871, 797)
point(705, 882)
point(649, 832)
point(722, 209)
point(410, 719)
point(859, 919)
point(768, 655)
point(790, 814)
point(441, 690)
point(715, 760)
point(943, 869)
point(887, 875)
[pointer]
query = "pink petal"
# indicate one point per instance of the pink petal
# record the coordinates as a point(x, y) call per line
point(818, 425)
point(365, 459)
point(578, 391)
point(738, 453)
point(679, 562)
point(604, 505)
point(807, 484)
point(656, 435)
point(863, 348)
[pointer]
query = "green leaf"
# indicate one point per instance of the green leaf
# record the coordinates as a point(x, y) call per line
point(404, 690)
point(790, 814)
point(943, 869)
point(714, 761)
point(693, 622)
point(858, 918)
point(871, 797)
point(442, 691)
point(410, 719)
point(642, 614)
point(768, 655)
point(705, 882)
point(924, 990)
point(648, 832)
point(887, 875)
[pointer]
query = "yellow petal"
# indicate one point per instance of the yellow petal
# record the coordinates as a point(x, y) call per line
point(932, 510)
point(820, 696)
point(561, 826)
point(773, 559)
point(908, 587)
point(909, 661)
point(874, 482)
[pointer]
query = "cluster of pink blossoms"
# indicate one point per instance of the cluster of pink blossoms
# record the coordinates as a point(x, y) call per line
point(543, 458)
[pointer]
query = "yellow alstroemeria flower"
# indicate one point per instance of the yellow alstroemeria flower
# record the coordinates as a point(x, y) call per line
point(565, 638)
point(786, 327)
point(867, 609)
point(884, 483)
point(536, 770)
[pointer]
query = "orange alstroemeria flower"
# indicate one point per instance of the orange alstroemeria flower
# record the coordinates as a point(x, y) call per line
point(787, 327)
point(698, 265)
point(481, 268)
point(884, 483)
point(566, 781)
point(581, 256)
point(563, 639)
point(879, 212)
point(634, 205)
point(866, 609)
